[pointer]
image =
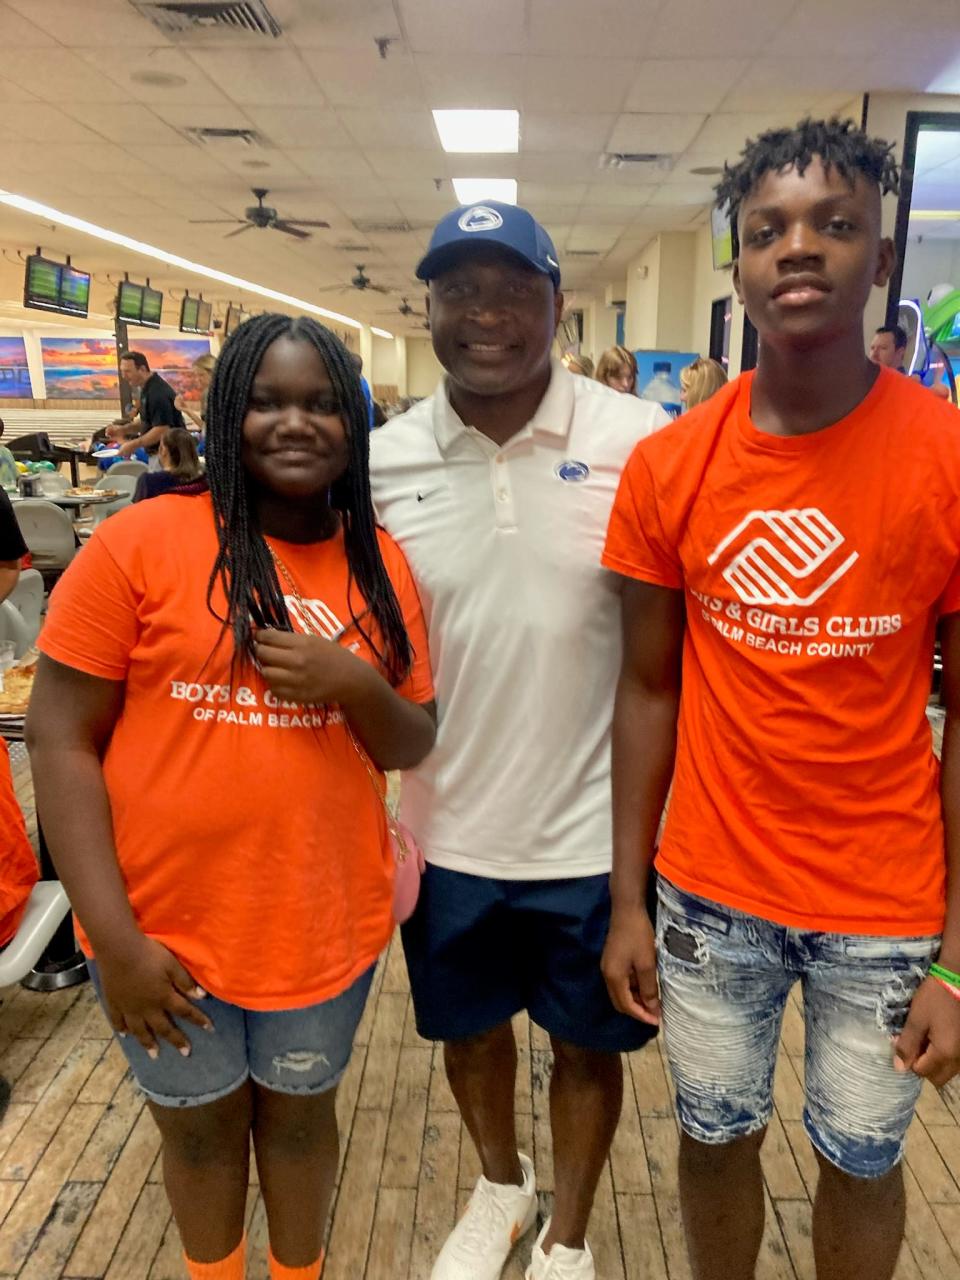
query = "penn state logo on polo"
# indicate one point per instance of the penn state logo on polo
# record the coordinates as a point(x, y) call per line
point(572, 471)
point(480, 218)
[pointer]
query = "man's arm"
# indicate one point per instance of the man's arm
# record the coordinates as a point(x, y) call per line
point(930, 1043)
point(644, 741)
point(152, 436)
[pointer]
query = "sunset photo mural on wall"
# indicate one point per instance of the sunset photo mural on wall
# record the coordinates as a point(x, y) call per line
point(14, 374)
point(173, 359)
point(80, 368)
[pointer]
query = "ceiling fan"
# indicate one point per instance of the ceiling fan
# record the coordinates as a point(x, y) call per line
point(262, 216)
point(405, 309)
point(361, 281)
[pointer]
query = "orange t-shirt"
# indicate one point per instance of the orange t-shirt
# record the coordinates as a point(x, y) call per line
point(248, 832)
point(814, 569)
point(19, 871)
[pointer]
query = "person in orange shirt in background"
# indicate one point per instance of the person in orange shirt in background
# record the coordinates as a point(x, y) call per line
point(792, 545)
point(252, 648)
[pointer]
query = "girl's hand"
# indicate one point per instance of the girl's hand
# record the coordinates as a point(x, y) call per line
point(178, 403)
point(145, 989)
point(310, 669)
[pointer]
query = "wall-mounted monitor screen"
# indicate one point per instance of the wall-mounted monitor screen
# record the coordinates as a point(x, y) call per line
point(235, 318)
point(721, 232)
point(55, 286)
point(74, 292)
point(152, 307)
point(195, 315)
point(139, 304)
point(130, 302)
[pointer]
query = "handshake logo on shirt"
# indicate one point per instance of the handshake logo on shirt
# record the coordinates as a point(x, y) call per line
point(783, 557)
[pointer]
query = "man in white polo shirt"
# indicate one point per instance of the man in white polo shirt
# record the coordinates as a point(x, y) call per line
point(498, 488)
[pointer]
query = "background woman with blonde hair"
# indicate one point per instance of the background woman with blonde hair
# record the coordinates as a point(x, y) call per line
point(699, 381)
point(617, 368)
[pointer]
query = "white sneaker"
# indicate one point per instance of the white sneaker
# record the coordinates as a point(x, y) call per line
point(495, 1218)
point(560, 1263)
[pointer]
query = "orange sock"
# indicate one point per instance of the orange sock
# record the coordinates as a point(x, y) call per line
point(310, 1272)
point(231, 1268)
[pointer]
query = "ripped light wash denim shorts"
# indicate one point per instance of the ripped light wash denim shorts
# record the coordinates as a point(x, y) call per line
point(725, 977)
point(301, 1051)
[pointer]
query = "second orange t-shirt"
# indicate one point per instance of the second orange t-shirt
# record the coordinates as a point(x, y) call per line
point(815, 568)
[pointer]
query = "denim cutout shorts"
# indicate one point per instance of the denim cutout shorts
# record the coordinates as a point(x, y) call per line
point(725, 977)
point(298, 1051)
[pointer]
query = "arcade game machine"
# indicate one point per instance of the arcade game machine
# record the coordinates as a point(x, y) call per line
point(933, 332)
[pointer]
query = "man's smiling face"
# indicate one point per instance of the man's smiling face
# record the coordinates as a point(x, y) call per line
point(493, 320)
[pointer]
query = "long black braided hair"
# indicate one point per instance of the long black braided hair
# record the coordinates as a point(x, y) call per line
point(840, 144)
point(244, 566)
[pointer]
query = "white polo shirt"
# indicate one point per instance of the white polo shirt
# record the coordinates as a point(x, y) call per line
point(524, 624)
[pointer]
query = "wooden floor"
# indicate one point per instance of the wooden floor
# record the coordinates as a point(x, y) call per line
point(80, 1192)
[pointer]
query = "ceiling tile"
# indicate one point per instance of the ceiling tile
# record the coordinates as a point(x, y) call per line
point(88, 24)
point(401, 163)
point(566, 26)
point(320, 163)
point(471, 81)
point(183, 116)
point(609, 214)
point(184, 161)
point(613, 196)
point(554, 192)
point(819, 28)
point(735, 28)
point(335, 24)
point(393, 128)
point(133, 70)
point(700, 83)
point(135, 121)
point(38, 122)
point(60, 76)
point(361, 78)
point(566, 133)
point(645, 131)
point(313, 127)
point(601, 83)
point(592, 236)
point(437, 26)
point(555, 166)
point(547, 212)
point(482, 166)
point(725, 134)
point(782, 84)
point(683, 193)
point(16, 32)
point(260, 77)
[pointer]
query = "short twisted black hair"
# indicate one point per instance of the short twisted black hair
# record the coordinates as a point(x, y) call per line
point(840, 144)
point(244, 567)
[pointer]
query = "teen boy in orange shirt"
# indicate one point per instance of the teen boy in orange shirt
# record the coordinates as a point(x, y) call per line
point(792, 545)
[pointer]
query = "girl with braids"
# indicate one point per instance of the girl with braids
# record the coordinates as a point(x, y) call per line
point(255, 644)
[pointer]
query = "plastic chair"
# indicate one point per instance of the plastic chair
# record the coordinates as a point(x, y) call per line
point(48, 533)
point(125, 483)
point(28, 596)
point(13, 627)
point(46, 909)
point(128, 468)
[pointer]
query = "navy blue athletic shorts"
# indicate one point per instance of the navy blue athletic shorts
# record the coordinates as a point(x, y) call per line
point(480, 950)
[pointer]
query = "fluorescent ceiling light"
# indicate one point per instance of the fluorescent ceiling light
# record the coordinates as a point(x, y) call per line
point(934, 215)
point(478, 130)
point(473, 190)
point(57, 216)
point(381, 333)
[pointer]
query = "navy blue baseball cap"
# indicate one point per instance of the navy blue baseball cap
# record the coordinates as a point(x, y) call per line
point(490, 222)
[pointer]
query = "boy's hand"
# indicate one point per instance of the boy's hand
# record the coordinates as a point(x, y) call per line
point(629, 965)
point(929, 1044)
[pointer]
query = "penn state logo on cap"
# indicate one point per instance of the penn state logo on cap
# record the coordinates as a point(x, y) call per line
point(480, 218)
point(572, 471)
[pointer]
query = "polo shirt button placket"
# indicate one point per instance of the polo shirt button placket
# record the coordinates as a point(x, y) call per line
point(503, 496)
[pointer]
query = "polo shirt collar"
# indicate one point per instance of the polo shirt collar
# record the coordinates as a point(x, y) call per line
point(553, 417)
